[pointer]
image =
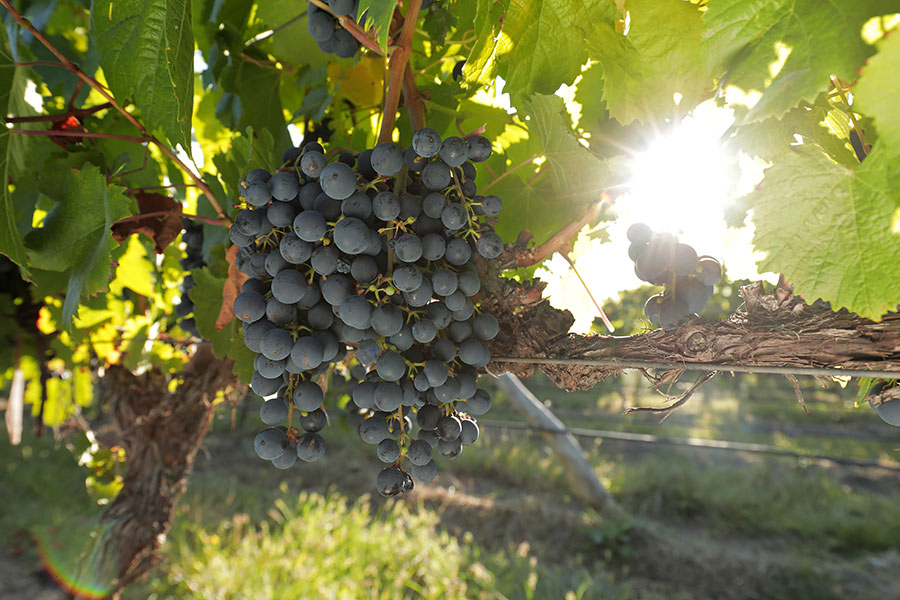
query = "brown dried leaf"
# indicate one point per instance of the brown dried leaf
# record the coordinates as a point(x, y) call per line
point(232, 288)
point(161, 229)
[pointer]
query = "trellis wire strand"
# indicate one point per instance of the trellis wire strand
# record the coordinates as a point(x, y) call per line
point(627, 436)
point(640, 364)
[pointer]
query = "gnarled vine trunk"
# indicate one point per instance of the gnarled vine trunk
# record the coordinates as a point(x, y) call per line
point(161, 432)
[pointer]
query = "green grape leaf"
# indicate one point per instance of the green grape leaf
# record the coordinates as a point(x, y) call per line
point(878, 89)
point(660, 56)
point(11, 242)
point(376, 14)
point(829, 230)
point(542, 201)
point(228, 341)
point(146, 50)
point(75, 236)
point(743, 40)
point(535, 45)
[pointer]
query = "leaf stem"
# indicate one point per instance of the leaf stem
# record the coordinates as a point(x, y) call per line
point(75, 70)
point(167, 213)
point(399, 61)
point(80, 112)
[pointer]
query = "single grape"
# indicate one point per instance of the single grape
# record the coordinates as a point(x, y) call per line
point(313, 161)
point(258, 175)
point(491, 205)
point(455, 301)
point(684, 261)
point(447, 392)
point(458, 252)
point(465, 313)
point(248, 221)
point(388, 451)
point(407, 278)
point(287, 459)
point(273, 411)
point(308, 396)
point(257, 193)
point(356, 311)
point(426, 472)
point(310, 226)
point(387, 320)
point(249, 306)
point(471, 352)
point(364, 164)
point(338, 180)
point(419, 453)
point(403, 339)
point(239, 239)
point(469, 433)
point(709, 271)
point(270, 443)
point(344, 45)
point(284, 186)
point(671, 312)
point(454, 151)
point(276, 344)
point(373, 430)
point(436, 176)
point(281, 214)
point(254, 332)
point(454, 216)
point(327, 206)
point(486, 326)
point(635, 250)
point(310, 447)
point(639, 233)
point(421, 295)
point(335, 288)
point(490, 245)
point(479, 148)
point(290, 155)
point(390, 366)
point(426, 142)
point(424, 331)
point(469, 284)
point(479, 403)
point(308, 194)
point(436, 372)
point(320, 316)
point(264, 386)
point(324, 260)
point(433, 246)
point(289, 286)
point(408, 248)
point(363, 395)
point(433, 203)
point(330, 346)
point(357, 205)
point(388, 396)
point(313, 421)
point(351, 235)
point(450, 449)
point(390, 481)
point(386, 206)
point(413, 161)
point(693, 293)
point(410, 207)
point(387, 159)
point(307, 352)
point(363, 269)
point(275, 263)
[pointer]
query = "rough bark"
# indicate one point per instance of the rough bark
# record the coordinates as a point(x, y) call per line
point(777, 329)
point(161, 432)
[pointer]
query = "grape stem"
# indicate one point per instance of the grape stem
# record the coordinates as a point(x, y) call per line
point(399, 62)
point(352, 28)
point(78, 134)
point(75, 70)
point(167, 213)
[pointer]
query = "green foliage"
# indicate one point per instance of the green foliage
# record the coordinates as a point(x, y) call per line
point(743, 40)
point(643, 70)
point(11, 242)
point(146, 50)
point(75, 235)
point(845, 251)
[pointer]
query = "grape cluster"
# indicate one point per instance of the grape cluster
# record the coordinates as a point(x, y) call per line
point(192, 236)
point(370, 254)
point(327, 31)
point(660, 259)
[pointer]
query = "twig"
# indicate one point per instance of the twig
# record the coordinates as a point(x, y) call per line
point(399, 60)
point(79, 134)
point(75, 70)
point(79, 112)
point(561, 238)
point(680, 401)
point(413, 99)
point(509, 172)
point(603, 316)
point(856, 127)
point(167, 213)
point(797, 391)
point(259, 38)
